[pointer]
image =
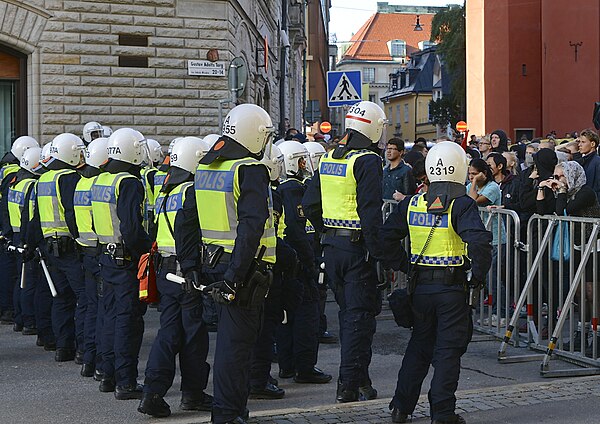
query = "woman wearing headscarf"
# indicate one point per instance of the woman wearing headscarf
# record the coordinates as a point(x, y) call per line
point(574, 198)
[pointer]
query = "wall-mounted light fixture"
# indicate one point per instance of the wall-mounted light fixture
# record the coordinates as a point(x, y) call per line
point(418, 26)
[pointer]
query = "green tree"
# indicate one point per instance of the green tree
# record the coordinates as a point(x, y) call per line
point(444, 111)
point(448, 31)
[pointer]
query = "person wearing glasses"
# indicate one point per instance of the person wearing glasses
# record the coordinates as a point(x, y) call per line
point(485, 147)
point(398, 180)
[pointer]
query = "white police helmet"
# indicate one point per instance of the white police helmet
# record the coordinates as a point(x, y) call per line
point(211, 139)
point(45, 153)
point(156, 154)
point(31, 159)
point(273, 158)
point(187, 153)
point(127, 145)
point(315, 151)
point(446, 162)
point(107, 131)
point(249, 125)
point(366, 118)
point(21, 144)
point(92, 130)
point(67, 148)
point(293, 152)
point(172, 143)
point(96, 153)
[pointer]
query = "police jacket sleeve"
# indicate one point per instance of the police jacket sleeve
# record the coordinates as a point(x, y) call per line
point(67, 184)
point(25, 218)
point(311, 203)
point(393, 233)
point(253, 212)
point(369, 173)
point(129, 212)
point(467, 222)
point(188, 234)
point(150, 179)
point(6, 227)
point(33, 236)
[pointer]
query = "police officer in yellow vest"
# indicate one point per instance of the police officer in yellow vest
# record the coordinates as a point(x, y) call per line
point(117, 200)
point(19, 193)
point(55, 192)
point(448, 242)
point(148, 172)
point(182, 331)
point(233, 202)
point(95, 156)
point(344, 200)
point(9, 165)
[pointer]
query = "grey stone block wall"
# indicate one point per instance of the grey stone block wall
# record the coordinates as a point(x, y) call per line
point(77, 77)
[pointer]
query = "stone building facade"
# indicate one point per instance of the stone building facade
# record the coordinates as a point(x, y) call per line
point(125, 63)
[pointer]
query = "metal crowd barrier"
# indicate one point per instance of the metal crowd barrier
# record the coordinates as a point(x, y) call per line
point(562, 294)
point(497, 301)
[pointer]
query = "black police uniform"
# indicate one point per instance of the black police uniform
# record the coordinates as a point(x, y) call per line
point(443, 323)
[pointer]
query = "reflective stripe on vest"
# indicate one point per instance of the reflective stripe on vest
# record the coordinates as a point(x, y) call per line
point(338, 189)
point(446, 247)
point(52, 211)
point(159, 179)
point(16, 202)
point(217, 192)
point(82, 204)
point(105, 192)
point(174, 202)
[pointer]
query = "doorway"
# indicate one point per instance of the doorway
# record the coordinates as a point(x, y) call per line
point(13, 97)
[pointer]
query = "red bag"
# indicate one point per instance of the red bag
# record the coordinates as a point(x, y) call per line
point(147, 277)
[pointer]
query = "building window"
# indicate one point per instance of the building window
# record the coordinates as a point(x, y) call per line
point(406, 83)
point(429, 112)
point(426, 44)
point(373, 98)
point(368, 74)
point(406, 112)
point(398, 48)
point(13, 97)
point(397, 114)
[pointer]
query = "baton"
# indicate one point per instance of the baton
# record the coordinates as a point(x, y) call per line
point(22, 275)
point(46, 273)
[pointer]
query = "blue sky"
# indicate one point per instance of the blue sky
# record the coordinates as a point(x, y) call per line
point(347, 16)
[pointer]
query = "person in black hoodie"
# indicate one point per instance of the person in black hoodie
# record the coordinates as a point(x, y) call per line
point(499, 141)
point(544, 162)
point(507, 181)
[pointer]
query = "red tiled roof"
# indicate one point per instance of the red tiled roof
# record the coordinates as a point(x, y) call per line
point(383, 27)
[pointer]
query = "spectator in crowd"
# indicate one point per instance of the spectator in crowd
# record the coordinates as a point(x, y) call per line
point(548, 144)
point(473, 141)
point(485, 147)
point(532, 149)
point(544, 162)
point(417, 152)
point(290, 132)
point(499, 141)
point(588, 145)
point(421, 142)
point(572, 147)
point(507, 181)
point(512, 162)
point(398, 180)
point(299, 137)
point(420, 175)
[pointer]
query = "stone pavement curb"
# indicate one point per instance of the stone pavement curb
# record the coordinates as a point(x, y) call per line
point(376, 411)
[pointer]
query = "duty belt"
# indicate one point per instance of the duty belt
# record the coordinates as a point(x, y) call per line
point(437, 275)
point(116, 250)
point(168, 263)
point(343, 232)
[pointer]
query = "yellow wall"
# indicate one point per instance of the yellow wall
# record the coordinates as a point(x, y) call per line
point(410, 131)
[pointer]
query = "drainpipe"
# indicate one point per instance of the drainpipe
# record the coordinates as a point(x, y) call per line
point(282, 70)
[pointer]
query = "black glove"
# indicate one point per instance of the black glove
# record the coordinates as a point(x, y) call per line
point(191, 280)
point(223, 292)
point(27, 254)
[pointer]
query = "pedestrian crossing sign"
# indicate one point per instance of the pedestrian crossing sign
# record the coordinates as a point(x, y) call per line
point(343, 88)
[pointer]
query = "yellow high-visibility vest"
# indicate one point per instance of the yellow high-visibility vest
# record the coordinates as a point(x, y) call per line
point(168, 210)
point(82, 204)
point(16, 202)
point(49, 201)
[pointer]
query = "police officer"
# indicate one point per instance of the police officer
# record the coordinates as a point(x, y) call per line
point(444, 228)
point(182, 331)
point(91, 131)
point(19, 192)
point(148, 172)
point(55, 192)
point(117, 199)
point(262, 385)
point(297, 341)
point(233, 201)
point(87, 242)
point(9, 165)
point(344, 199)
point(42, 304)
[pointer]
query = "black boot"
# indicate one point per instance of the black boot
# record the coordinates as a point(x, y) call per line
point(7, 317)
point(270, 391)
point(196, 402)
point(87, 370)
point(107, 385)
point(457, 419)
point(399, 417)
point(314, 376)
point(64, 355)
point(131, 391)
point(153, 404)
point(29, 331)
point(346, 394)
